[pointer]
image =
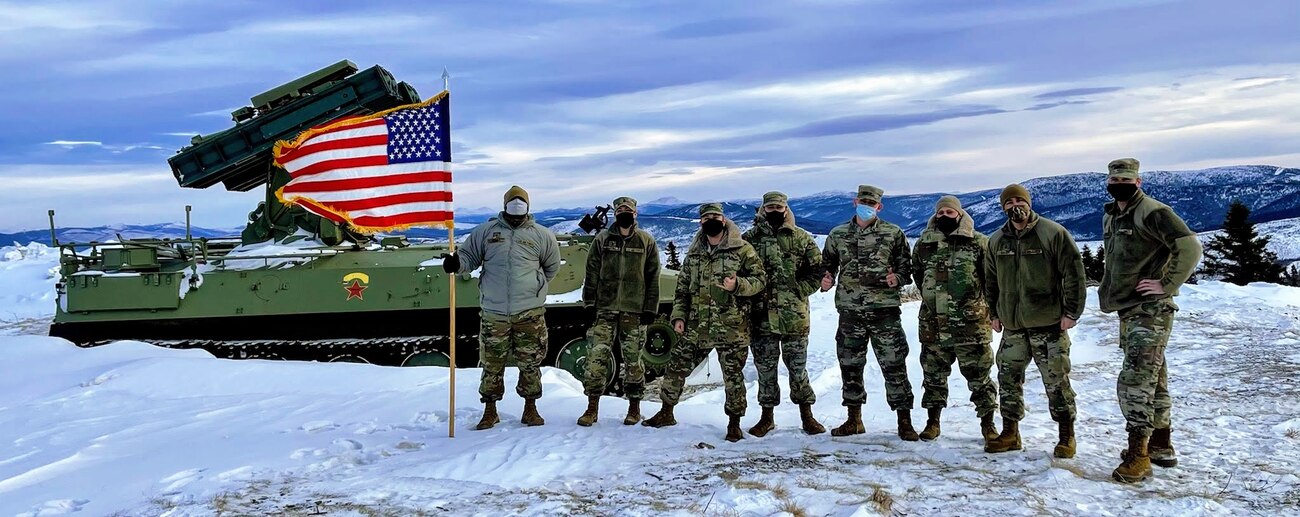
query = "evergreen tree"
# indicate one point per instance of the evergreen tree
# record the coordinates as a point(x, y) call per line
point(1238, 254)
point(1098, 268)
point(1291, 276)
point(674, 262)
point(1092, 264)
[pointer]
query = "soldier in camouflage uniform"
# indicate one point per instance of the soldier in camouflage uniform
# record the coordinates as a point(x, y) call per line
point(1035, 289)
point(1150, 252)
point(519, 258)
point(711, 311)
point(780, 313)
point(948, 266)
point(622, 289)
point(870, 258)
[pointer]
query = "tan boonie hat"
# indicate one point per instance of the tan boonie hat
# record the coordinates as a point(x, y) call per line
point(624, 202)
point(1124, 168)
point(869, 193)
point(949, 202)
point(1015, 190)
point(516, 192)
point(711, 208)
point(775, 198)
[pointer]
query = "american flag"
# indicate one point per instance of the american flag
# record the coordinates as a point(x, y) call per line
point(380, 172)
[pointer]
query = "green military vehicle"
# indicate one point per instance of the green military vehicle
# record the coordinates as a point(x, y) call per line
point(295, 286)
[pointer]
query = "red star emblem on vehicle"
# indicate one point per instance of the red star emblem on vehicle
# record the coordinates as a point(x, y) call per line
point(354, 290)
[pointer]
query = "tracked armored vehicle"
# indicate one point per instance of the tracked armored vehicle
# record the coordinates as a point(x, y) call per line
point(296, 286)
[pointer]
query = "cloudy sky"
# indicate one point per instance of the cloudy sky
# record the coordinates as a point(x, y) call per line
point(581, 101)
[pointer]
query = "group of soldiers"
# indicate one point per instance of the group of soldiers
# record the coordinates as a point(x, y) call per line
point(738, 292)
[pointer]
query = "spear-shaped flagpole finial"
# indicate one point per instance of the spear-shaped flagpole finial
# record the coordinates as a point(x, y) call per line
point(446, 79)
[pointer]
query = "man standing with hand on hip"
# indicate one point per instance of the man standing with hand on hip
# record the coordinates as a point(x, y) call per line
point(1150, 252)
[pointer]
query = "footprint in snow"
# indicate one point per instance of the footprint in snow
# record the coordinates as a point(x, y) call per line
point(318, 425)
point(56, 507)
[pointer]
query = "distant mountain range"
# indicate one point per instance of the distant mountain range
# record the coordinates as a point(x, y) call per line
point(1201, 197)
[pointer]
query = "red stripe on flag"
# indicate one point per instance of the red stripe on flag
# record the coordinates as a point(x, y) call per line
point(403, 219)
point(331, 145)
point(341, 163)
point(395, 199)
point(363, 183)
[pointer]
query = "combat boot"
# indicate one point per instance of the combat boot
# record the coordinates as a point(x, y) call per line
point(764, 425)
point(1065, 446)
point(733, 429)
point(593, 411)
point(851, 426)
point(987, 429)
point(633, 412)
point(905, 430)
point(663, 418)
point(1161, 449)
point(1009, 440)
point(531, 417)
point(810, 424)
point(1137, 464)
point(931, 430)
point(490, 417)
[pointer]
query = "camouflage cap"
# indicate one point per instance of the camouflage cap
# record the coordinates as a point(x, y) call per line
point(711, 208)
point(516, 191)
point(775, 198)
point(1124, 168)
point(1016, 190)
point(869, 193)
point(948, 202)
point(624, 201)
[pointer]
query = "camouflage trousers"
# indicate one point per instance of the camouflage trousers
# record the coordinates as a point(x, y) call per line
point(521, 337)
point(1143, 386)
point(625, 329)
point(683, 359)
point(883, 329)
point(1049, 347)
point(768, 349)
point(974, 359)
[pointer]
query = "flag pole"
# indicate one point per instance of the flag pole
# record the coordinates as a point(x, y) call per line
point(451, 330)
point(451, 302)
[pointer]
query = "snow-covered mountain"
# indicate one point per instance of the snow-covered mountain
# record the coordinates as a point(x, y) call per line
point(1201, 197)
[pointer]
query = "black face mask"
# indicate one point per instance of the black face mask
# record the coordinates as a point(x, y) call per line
point(713, 227)
point(624, 219)
point(946, 224)
point(1122, 191)
point(775, 218)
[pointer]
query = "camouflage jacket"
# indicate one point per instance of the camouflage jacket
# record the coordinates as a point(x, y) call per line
point(1034, 276)
point(622, 272)
point(949, 270)
point(859, 259)
point(793, 266)
point(1145, 240)
point(714, 317)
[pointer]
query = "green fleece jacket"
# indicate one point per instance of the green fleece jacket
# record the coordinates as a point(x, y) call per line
point(1034, 276)
point(1145, 240)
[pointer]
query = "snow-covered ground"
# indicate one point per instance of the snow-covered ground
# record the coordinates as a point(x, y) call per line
point(130, 429)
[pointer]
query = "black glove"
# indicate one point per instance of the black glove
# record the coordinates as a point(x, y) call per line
point(450, 263)
point(648, 318)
